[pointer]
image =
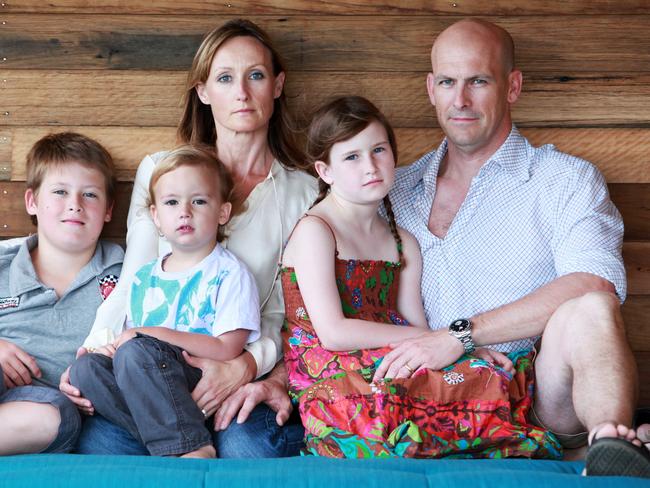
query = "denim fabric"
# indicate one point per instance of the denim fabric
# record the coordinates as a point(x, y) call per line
point(70, 425)
point(258, 437)
point(145, 390)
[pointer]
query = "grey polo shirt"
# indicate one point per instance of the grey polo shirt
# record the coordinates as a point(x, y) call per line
point(43, 325)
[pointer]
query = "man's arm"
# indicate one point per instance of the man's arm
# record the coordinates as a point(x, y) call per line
point(520, 319)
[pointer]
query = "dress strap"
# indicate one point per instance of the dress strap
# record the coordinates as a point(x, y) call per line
point(336, 248)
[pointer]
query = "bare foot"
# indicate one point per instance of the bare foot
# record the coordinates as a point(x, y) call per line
point(643, 433)
point(205, 452)
point(611, 429)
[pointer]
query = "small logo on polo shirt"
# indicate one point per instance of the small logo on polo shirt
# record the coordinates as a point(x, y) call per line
point(107, 285)
point(9, 302)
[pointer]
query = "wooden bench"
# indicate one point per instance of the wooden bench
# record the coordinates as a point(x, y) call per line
point(116, 72)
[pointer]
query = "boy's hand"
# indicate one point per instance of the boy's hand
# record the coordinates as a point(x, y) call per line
point(18, 367)
point(73, 393)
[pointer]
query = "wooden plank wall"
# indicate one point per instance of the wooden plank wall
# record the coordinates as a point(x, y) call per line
point(115, 69)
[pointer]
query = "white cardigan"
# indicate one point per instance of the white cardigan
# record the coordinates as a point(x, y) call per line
point(256, 236)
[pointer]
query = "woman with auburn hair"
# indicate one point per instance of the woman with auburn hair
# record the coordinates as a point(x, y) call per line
point(234, 102)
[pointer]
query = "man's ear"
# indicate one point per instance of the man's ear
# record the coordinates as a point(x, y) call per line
point(323, 171)
point(515, 81)
point(30, 201)
point(430, 85)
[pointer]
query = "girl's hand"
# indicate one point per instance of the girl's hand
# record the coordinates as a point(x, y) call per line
point(494, 357)
point(220, 379)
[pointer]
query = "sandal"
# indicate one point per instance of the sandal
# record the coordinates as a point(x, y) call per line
point(612, 456)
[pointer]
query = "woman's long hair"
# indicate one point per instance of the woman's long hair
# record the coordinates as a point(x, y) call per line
point(197, 123)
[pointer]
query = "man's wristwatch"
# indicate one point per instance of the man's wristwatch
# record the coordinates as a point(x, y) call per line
point(461, 329)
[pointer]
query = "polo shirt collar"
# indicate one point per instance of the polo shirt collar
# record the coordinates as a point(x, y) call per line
point(22, 274)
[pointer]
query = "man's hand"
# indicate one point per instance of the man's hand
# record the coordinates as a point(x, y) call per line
point(73, 393)
point(433, 350)
point(271, 391)
point(18, 367)
point(220, 379)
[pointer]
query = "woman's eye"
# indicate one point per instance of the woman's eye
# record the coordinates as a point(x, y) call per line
point(257, 75)
point(224, 79)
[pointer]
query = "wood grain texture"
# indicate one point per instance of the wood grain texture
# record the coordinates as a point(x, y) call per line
point(347, 7)
point(633, 201)
point(142, 98)
point(636, 311)
point(637, 266)
point(552, 44)
point(643, 365)
point(621, 154)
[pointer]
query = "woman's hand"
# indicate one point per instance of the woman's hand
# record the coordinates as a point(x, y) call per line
point(272, 391)
point(220, 379)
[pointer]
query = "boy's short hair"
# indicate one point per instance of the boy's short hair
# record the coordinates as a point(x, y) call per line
point(69, 147)
point(200, 156)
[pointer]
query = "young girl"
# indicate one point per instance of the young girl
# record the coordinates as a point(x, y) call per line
point(199, 298)
point(351, 284)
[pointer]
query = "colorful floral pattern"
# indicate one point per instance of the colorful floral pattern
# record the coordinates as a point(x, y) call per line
point(470, 409)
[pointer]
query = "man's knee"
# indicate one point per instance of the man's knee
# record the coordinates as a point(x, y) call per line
point(584, 316)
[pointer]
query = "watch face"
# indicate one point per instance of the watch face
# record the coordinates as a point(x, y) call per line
point(460, 325)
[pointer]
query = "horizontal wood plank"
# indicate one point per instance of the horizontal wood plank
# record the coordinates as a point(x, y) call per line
point(141, 98)
point(316, 43)
point(15, 222)
point(637, 266)
point(636, 311)
point(633, 201)
point(621, 154)
point(643, 365)
point(291, 7)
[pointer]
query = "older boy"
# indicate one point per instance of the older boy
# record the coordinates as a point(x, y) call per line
point(50, 287)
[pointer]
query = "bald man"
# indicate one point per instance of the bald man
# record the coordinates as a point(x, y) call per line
point(519, 243)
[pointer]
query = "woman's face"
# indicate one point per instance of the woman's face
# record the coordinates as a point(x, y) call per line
point(241, 86)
